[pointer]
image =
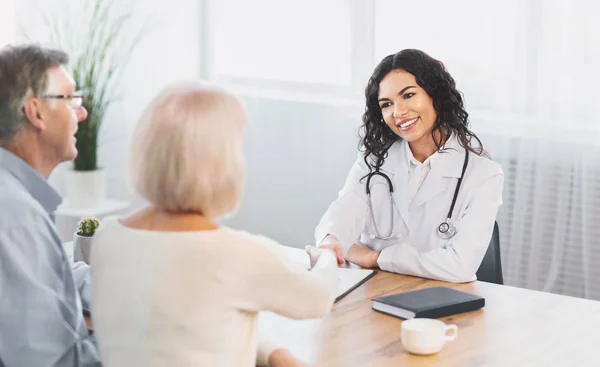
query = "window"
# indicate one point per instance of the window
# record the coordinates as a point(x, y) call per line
point(313, 46)
point(566, 75)
point(527, 63)
point(7, 22)
point(288, 48)
point(478, 41)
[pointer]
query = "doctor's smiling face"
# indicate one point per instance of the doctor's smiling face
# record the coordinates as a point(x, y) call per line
point(405, 107)
point(412, 96)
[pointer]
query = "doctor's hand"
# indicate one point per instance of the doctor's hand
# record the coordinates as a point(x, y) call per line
point(283, 358)
point(314, 253)
point(337, 250)
point(362, 256)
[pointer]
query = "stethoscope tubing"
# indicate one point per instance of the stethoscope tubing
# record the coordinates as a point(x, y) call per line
point(445, 229)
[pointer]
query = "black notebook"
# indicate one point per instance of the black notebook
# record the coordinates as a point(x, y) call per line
point(431, 303)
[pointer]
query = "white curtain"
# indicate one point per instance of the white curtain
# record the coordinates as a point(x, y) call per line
point(565, 70)
point(550, 239)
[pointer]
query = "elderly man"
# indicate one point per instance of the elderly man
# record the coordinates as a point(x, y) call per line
point(42, 295)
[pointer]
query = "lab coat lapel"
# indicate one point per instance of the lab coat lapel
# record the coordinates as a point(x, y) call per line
point(398, 160)
point(433, 185)
point(445, 169)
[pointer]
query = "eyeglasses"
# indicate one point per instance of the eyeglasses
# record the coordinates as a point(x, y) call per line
point(75, 99)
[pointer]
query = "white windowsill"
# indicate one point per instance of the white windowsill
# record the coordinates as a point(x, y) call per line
point(107, 206)
point(283, 94)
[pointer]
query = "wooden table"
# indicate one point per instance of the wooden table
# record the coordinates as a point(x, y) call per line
point(517, 327)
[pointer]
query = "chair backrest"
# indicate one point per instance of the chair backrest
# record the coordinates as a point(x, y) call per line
point(490, 269)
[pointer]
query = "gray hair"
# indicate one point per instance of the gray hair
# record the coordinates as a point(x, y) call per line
point(23, 73)
point(186, 152)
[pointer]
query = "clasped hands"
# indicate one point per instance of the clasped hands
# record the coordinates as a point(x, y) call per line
point(358, 254)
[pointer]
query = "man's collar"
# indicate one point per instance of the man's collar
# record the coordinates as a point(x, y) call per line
point(33, 181)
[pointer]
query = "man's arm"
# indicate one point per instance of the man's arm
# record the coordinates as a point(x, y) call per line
point(41, 321)
point(82, 276)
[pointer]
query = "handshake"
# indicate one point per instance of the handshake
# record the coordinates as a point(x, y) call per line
point(314, 253)
point(359, 254)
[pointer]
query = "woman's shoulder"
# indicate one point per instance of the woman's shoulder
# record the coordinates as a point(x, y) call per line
point(485, 164)
point(238, 235)
point(256, 243)
point(108, 225)
point(110, 221)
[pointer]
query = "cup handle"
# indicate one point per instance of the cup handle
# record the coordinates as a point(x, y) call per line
point(451, 332)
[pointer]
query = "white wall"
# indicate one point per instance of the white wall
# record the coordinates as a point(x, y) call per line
point(298, 155)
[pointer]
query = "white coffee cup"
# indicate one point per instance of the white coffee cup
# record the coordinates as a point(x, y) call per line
point(426, 336)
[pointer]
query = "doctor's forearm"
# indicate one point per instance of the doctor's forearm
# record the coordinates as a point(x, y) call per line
point(439, 264)
point(360, 254)
point(330, 240)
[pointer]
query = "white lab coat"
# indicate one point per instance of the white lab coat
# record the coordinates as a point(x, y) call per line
point(416, 249)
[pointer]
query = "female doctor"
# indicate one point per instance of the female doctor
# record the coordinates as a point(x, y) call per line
point(422, 198)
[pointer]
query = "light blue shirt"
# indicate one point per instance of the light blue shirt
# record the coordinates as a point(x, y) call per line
point(41, 293)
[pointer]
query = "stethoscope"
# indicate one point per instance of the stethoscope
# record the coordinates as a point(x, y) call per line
point(445, 230)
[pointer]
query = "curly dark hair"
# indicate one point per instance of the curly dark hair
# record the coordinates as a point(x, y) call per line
point(432, 76)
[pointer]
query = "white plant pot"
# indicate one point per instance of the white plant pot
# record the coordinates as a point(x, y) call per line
point(84, 189)
point(82, 247)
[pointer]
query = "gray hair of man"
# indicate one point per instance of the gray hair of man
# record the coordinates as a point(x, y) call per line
point(23, 74)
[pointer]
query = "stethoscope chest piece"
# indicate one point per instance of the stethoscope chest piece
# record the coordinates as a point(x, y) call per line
point(446, 230)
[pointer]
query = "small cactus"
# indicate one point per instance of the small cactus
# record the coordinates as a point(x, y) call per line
point(88, 226)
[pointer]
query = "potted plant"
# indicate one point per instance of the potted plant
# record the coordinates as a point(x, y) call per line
point(82, 238)
point(99, 45)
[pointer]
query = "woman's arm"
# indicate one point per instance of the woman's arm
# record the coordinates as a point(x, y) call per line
point(270, 281)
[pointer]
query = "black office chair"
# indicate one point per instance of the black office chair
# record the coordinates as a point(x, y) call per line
point(490, 269)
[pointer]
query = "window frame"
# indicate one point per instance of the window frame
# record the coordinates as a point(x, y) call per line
point(362, 59)
point(525, 104)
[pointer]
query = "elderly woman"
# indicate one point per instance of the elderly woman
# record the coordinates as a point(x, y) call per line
point(170, 286)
